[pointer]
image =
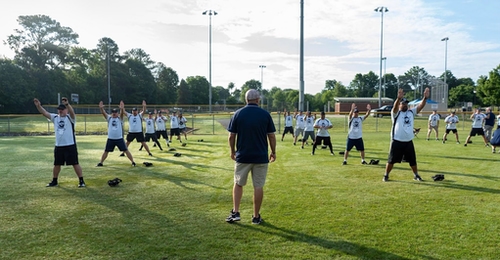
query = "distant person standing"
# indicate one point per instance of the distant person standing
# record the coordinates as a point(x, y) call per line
point(299, 125)
point(477, 126)
point(182, 126)
point(251, 132)
point(150, 131)
point(288, 124)
point(115, 133)
point(433, 124)
point(451, 126)
point(161, 126)
point(402, 134)
point(355, 133)
point(309, 128)
point(322, 136)
point(65, 151)
point(489, 123)
point(135, 131)
point(174, 127)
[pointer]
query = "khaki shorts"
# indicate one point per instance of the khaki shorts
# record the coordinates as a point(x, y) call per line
point(259, 173)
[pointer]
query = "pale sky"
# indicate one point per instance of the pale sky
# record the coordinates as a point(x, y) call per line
point(342, 38)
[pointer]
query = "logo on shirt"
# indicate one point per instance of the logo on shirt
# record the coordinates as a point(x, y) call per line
point(61, 124)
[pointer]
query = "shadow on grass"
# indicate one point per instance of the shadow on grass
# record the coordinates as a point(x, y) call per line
point(459, 158)
point(493, 178)
point(349, 248)
point(453, 185)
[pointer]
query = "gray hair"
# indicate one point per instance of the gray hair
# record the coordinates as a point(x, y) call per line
point(252, 94)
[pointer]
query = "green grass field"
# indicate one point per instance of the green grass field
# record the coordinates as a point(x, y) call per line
point(314, 208)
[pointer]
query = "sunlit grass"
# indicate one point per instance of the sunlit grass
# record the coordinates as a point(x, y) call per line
point(314, 208)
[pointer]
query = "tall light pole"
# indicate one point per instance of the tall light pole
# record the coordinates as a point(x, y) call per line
point(382, 10)
point(445, 39)
point(262, 67)
point(301, 62)
point(109, 78)
point(209, 13)
point(385, 72)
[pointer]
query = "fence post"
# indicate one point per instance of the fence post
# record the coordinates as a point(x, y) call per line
point(213, 124)
point(192, 124)
point(8, 125)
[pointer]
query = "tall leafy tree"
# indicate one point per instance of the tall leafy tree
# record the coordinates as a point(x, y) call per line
point(184, 94)
point(42, 43)
point(459, 95)
point(167, 83)
point(198, 87)
point(16, 92)
point(251, 84)
point(364, 85)
point(488, 88)
point(418, 78)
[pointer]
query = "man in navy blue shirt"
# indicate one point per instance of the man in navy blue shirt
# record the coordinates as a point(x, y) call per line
point(250, 129)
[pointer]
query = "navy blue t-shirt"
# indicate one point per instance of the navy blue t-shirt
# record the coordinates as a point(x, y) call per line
point(491, 120)
point(251, 124)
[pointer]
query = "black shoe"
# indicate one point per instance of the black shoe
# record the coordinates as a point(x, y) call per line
point(122, 154)
point(417, 178)
point(52, 184)
point(256, 220)
point(133, 164)
point(364, 162)
point(294, 144)
point(465, 144)
point(234, 216)
point(385, 179)
point(154, 145)
point(81, 185)
point(150, 154)
point(486, 145)
point(344, 163)
point(443, 141)
point(100, 165)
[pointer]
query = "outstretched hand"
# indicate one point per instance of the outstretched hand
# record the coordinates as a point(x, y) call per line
point(426, 92)
point(401, 93)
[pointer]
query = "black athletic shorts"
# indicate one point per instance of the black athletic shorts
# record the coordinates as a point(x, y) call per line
point(175, 131)
point(399, 150)
point(451, 130)
point(358, 143)
point(476, 131)
point(288, 129)
point(65, 155)
point(112, 143)
point(162, 133)
point(325, 139)
point(137, 136)
point(150, 136)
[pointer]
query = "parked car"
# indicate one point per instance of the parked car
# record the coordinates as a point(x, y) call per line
point(381, 111)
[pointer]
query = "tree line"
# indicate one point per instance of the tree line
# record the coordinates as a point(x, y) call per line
point(48, 61)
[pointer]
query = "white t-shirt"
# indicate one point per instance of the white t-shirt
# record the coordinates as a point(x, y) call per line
point(150, 125)
point(309, 123)
point(300, 121)
point(63, 128)
point(356, 127)
point(288, 121)
point(451, 121)
point(402, 125)
point(323, 130)
point(134, 123)
point(115, 128)
point(182, 122)
point(174, 122)
point(477, 120)
point(433, 119)
point(160, 123)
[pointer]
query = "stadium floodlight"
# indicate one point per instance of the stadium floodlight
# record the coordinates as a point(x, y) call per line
point(382, 10)
point(209, 13)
